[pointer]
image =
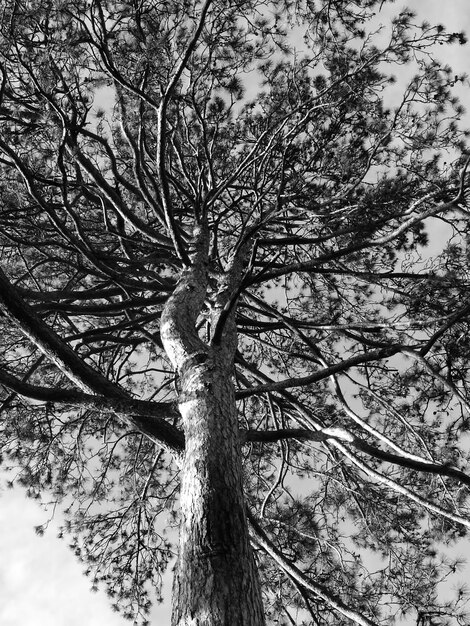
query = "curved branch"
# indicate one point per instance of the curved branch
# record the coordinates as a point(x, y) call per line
point(306, 419)
point(261, 540)
point(177, 327)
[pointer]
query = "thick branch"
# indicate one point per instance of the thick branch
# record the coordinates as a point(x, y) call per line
point(301, 381)
point(23, 317)
point(147, 417)
point(341, 434)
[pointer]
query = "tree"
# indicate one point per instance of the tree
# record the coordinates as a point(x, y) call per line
point(226, 307)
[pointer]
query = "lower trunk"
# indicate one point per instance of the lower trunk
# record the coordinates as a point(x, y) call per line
point(216, 582)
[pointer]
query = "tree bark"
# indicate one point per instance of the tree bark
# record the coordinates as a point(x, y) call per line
point(216, 582)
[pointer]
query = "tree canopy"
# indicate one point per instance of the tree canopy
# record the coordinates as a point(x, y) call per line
point(281, 187)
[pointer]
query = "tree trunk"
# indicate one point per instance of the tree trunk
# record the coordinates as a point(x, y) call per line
point(215, 581)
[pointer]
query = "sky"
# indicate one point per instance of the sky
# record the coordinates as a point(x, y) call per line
point(41, 582)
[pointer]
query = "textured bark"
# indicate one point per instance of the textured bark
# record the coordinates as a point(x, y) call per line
point(216, 581)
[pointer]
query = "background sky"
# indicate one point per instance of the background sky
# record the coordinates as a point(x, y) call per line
point(41, 582)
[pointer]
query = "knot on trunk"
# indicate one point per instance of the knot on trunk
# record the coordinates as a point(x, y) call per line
point(183, 380)
point(196, 358)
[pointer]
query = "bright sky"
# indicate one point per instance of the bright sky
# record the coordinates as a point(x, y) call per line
point(41, 582)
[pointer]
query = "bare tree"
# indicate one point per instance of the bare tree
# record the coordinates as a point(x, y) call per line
point(234, 302)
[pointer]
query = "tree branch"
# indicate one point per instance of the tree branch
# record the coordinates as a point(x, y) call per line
point(148, 417)
point(321, 374)
point(341, 434)
point(23, 317)
point(260, 539)
point(161, 134)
